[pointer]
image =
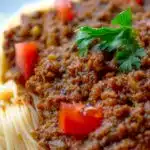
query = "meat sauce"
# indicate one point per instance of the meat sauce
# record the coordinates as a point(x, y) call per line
point(62, 76)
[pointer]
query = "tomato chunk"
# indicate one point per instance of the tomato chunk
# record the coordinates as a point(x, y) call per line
point(140, 2)
point(77, 119)
point(64, 10)
point(26, 57)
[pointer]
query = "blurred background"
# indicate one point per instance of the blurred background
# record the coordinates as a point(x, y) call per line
point(10, 6)
point(7, 7)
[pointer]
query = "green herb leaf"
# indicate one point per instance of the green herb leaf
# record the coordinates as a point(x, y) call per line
point(140, 52)
point(117, 42)
point(86, 35)
point(105, 33)
point(83, 41)
point(122, 41)
point(123, 19)
point(130, 62)
point(83, 46)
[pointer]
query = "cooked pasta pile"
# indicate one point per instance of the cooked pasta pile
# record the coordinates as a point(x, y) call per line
point(17, 120)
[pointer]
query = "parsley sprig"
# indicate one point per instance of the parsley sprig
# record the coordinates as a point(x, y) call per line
point(122, 41)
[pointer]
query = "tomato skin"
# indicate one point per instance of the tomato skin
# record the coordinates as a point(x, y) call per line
point(140, 2)
point(74, 119)
point(26, 57)
point(64, 10)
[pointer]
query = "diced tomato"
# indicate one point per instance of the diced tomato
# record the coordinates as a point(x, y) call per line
point(64, 10)
point(77, 119)
point(26, 57)
point(140, 2)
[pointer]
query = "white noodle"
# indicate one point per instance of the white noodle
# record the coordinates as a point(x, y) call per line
point(17, 121)
point(23, 126)
point(34, 117)
point(35, 100)
point(19, 141)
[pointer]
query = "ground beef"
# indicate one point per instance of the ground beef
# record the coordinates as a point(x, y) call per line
point(62, 76)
